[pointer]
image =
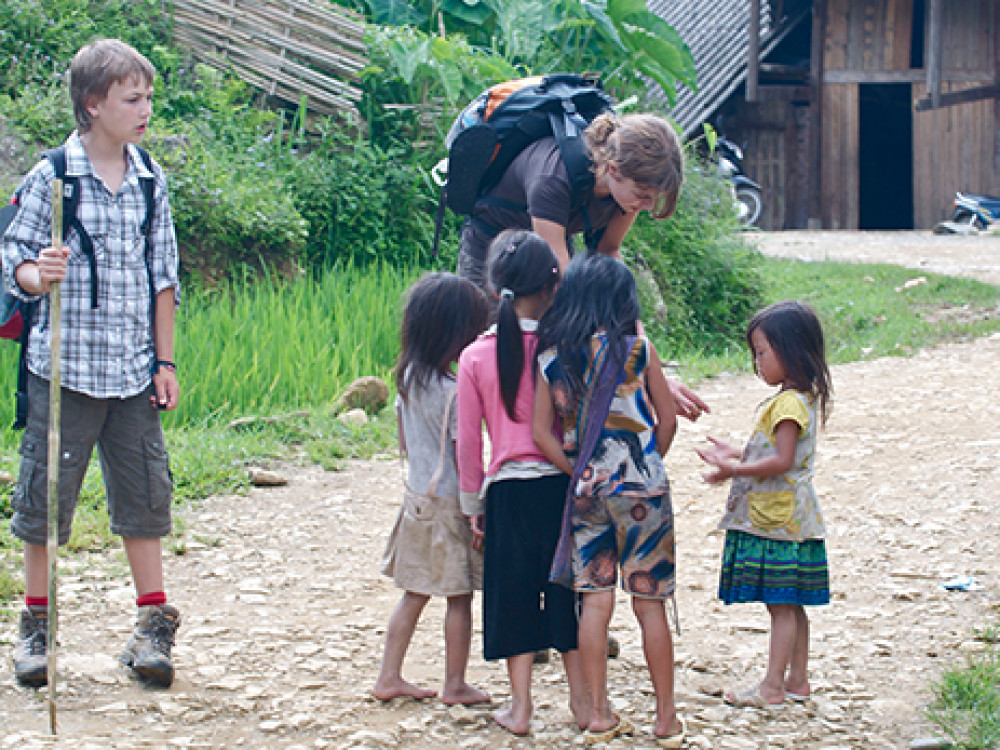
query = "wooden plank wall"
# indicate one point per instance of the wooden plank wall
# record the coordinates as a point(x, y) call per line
point(286, 48)
point(958, 147)
point(968, 40)
point(766, 166)
point(863, 38)
point(869, 35)
point(761, 129)
point(955, 147)
point(841, 141)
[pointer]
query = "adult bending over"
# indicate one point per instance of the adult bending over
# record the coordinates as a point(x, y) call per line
point(638, 166)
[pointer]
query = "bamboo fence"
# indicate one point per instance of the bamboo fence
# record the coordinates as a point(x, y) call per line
point(286, 48)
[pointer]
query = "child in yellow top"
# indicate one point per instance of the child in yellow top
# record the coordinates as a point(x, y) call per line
point(775, 551)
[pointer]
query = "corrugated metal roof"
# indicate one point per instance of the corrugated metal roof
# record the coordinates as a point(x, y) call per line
point(717, 33)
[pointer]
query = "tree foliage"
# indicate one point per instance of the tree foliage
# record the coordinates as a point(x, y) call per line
point(439, 54)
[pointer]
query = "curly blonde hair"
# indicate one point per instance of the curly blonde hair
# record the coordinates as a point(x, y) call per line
point(645, 148)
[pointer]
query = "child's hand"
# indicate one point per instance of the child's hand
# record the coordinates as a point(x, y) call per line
point(476, 524)
point(687, 403)
point(167, 391)
point(719, 451)
point(51, 266)
point(721, 473)
point(719, 456)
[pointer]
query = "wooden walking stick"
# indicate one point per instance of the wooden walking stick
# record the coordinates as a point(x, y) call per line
point(55, 382)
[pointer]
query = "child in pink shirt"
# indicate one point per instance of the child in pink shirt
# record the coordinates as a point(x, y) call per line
point(516, 506)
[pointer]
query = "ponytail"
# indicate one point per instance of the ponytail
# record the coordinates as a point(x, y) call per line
point(522, 265)
point(510, 353)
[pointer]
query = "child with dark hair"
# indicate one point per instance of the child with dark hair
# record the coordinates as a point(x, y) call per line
point(775, 551)
point(607, 386)
point(431, 550)
point(515, 505)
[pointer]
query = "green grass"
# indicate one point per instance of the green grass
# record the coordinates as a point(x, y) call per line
point(867, 312)
point(286, 351)
point(268, 348)
point(966, 703)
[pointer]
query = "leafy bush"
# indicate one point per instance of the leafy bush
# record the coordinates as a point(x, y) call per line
point(702, 282)
point(362, 203)
point(227, 171)
point(40, 37)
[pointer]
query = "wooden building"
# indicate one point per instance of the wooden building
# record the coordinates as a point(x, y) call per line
point(855, 114)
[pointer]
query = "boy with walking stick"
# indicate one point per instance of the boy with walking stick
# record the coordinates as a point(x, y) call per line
point(118, 279)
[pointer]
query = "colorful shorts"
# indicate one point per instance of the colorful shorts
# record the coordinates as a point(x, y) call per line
point(635, 534)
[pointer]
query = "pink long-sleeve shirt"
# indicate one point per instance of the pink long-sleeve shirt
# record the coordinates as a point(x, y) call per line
point(513, 450)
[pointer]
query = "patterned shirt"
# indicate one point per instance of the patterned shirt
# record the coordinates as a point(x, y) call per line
point(107, 352)
point(625, 460)
point(784, 507)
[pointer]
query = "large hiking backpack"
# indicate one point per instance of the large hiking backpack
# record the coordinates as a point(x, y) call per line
point(16, 315)
point(504, 120)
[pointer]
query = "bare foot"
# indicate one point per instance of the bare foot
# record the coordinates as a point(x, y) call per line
point(754, 696)
point(664, 729)
point(388, 689)
point(465, 695)
point(581, 708)
point(517, 725)
point(600, 724)
point(798, 693)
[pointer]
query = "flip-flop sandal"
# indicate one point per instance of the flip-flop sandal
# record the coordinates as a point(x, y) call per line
point(797, 697)
point(622, 728)
point(748, 697)
point(673, 741)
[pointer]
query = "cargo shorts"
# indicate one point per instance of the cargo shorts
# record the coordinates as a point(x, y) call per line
point(132, 454)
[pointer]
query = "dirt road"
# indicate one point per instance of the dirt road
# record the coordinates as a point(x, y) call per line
point(284, 608)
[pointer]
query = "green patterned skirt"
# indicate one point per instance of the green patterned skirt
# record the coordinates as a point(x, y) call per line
point(756, 569)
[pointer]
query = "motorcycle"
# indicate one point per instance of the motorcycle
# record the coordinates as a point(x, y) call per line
point(746, 193)
point(972, 214)
point(978, 210)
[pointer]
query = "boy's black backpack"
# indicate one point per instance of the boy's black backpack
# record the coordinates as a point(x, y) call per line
point(504, 120)
point(16, 315)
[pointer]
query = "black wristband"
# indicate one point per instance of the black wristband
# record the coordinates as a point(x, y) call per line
point(164, 363)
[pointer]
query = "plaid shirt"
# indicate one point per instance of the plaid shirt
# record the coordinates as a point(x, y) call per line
point(107, 352)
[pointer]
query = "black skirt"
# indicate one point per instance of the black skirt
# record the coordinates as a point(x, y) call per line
point(522, 611)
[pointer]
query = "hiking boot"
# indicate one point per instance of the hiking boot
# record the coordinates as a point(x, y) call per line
point(148, 649)
point(30, 661)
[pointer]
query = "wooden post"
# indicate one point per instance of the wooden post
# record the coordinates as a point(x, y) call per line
point(815, 172)
point(55, 383)
point(753, 52)
point(934, 55)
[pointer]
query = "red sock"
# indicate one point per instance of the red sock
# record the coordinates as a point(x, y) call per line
point(38, 602)
point(152, 598)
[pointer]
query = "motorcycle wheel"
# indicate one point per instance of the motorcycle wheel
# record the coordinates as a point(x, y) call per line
point(748, 205)
point(961, 216)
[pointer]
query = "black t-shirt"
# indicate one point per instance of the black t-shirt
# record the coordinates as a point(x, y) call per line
point(536, 180)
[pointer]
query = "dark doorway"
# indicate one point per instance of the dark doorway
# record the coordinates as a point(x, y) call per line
point(886, 155)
